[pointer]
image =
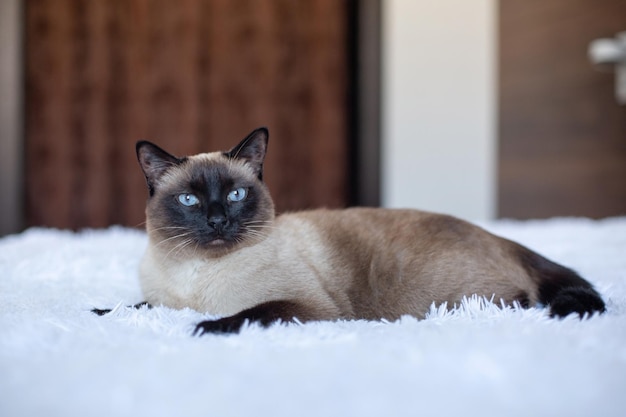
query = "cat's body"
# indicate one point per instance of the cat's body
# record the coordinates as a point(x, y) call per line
point(216, 246)
point(355, 263)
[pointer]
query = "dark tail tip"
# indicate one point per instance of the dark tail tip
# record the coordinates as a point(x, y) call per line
point(560, 288)
point(581, 300)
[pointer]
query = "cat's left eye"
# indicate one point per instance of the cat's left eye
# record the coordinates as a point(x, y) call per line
point(237, 195)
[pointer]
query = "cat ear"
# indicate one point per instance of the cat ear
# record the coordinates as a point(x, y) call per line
point(252, 149)
point(154, 161)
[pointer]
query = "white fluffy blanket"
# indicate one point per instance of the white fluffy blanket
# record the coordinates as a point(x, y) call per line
point(59, 359)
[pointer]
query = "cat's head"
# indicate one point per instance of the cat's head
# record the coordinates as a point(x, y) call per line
point(211, 202)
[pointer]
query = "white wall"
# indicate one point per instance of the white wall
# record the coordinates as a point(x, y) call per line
point(439, 117)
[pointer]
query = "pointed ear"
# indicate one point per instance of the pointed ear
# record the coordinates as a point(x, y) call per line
point(154, 161)
point(252, 149)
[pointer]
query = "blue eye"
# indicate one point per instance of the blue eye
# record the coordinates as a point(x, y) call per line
point(237, 195)
point(188, 200)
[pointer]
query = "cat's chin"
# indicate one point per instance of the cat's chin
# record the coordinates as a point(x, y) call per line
point(219, 244)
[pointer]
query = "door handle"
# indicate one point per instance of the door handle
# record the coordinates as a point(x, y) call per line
point(612, 53)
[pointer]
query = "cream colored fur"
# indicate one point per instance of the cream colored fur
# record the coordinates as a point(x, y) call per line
point(356, 263)
point(278, 268)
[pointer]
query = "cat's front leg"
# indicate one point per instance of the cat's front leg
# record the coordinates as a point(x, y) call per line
point(264, 314)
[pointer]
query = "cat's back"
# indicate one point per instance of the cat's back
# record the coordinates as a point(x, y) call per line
point(380, 226)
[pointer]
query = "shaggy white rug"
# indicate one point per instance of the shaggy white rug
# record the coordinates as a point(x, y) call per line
point(59, 359)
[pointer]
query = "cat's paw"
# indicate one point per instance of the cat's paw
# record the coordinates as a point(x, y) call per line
point(579, 300)
point(221, 326)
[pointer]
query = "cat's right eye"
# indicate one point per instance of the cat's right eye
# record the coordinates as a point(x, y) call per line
point(188, 200)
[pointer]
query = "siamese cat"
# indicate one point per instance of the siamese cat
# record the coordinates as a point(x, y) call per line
point(216, 246)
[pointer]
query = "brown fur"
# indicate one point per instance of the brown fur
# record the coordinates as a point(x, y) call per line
point(389, 263)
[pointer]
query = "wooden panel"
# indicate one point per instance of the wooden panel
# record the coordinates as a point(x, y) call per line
point(562, 135)
point(192, 76)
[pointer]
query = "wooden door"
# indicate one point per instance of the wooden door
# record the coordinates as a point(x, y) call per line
point(192, 76)
point(562, 134)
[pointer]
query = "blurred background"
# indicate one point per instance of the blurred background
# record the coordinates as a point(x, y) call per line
point(481, 109)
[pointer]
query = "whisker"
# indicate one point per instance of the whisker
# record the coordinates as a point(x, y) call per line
point(140, 225)
point(260, 226)
point(183, 247)
point(179, 247)
point(169, 228)
point(255, 231)
point(257, 235)
point(174, 237)
point(266, 222)
point(256, 225)
point(195, 249)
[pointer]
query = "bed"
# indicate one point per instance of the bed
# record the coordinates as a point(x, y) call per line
point(477, 358)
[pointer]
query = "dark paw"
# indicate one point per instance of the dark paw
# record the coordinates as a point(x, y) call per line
point(576, 300)
point(142, 304)
point(221, 326)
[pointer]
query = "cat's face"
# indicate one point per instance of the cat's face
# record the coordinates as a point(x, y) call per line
point(210, 203)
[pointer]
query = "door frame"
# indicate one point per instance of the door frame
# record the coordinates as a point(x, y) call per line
point(365, 99)
point(11, 116)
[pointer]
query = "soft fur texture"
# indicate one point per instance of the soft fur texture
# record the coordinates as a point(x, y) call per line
point(217, 247)
point(59, 359)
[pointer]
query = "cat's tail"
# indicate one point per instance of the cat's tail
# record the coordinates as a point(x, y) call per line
point(561, 289)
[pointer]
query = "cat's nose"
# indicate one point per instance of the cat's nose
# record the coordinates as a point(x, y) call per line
point(216, 217)
point(218, 222)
